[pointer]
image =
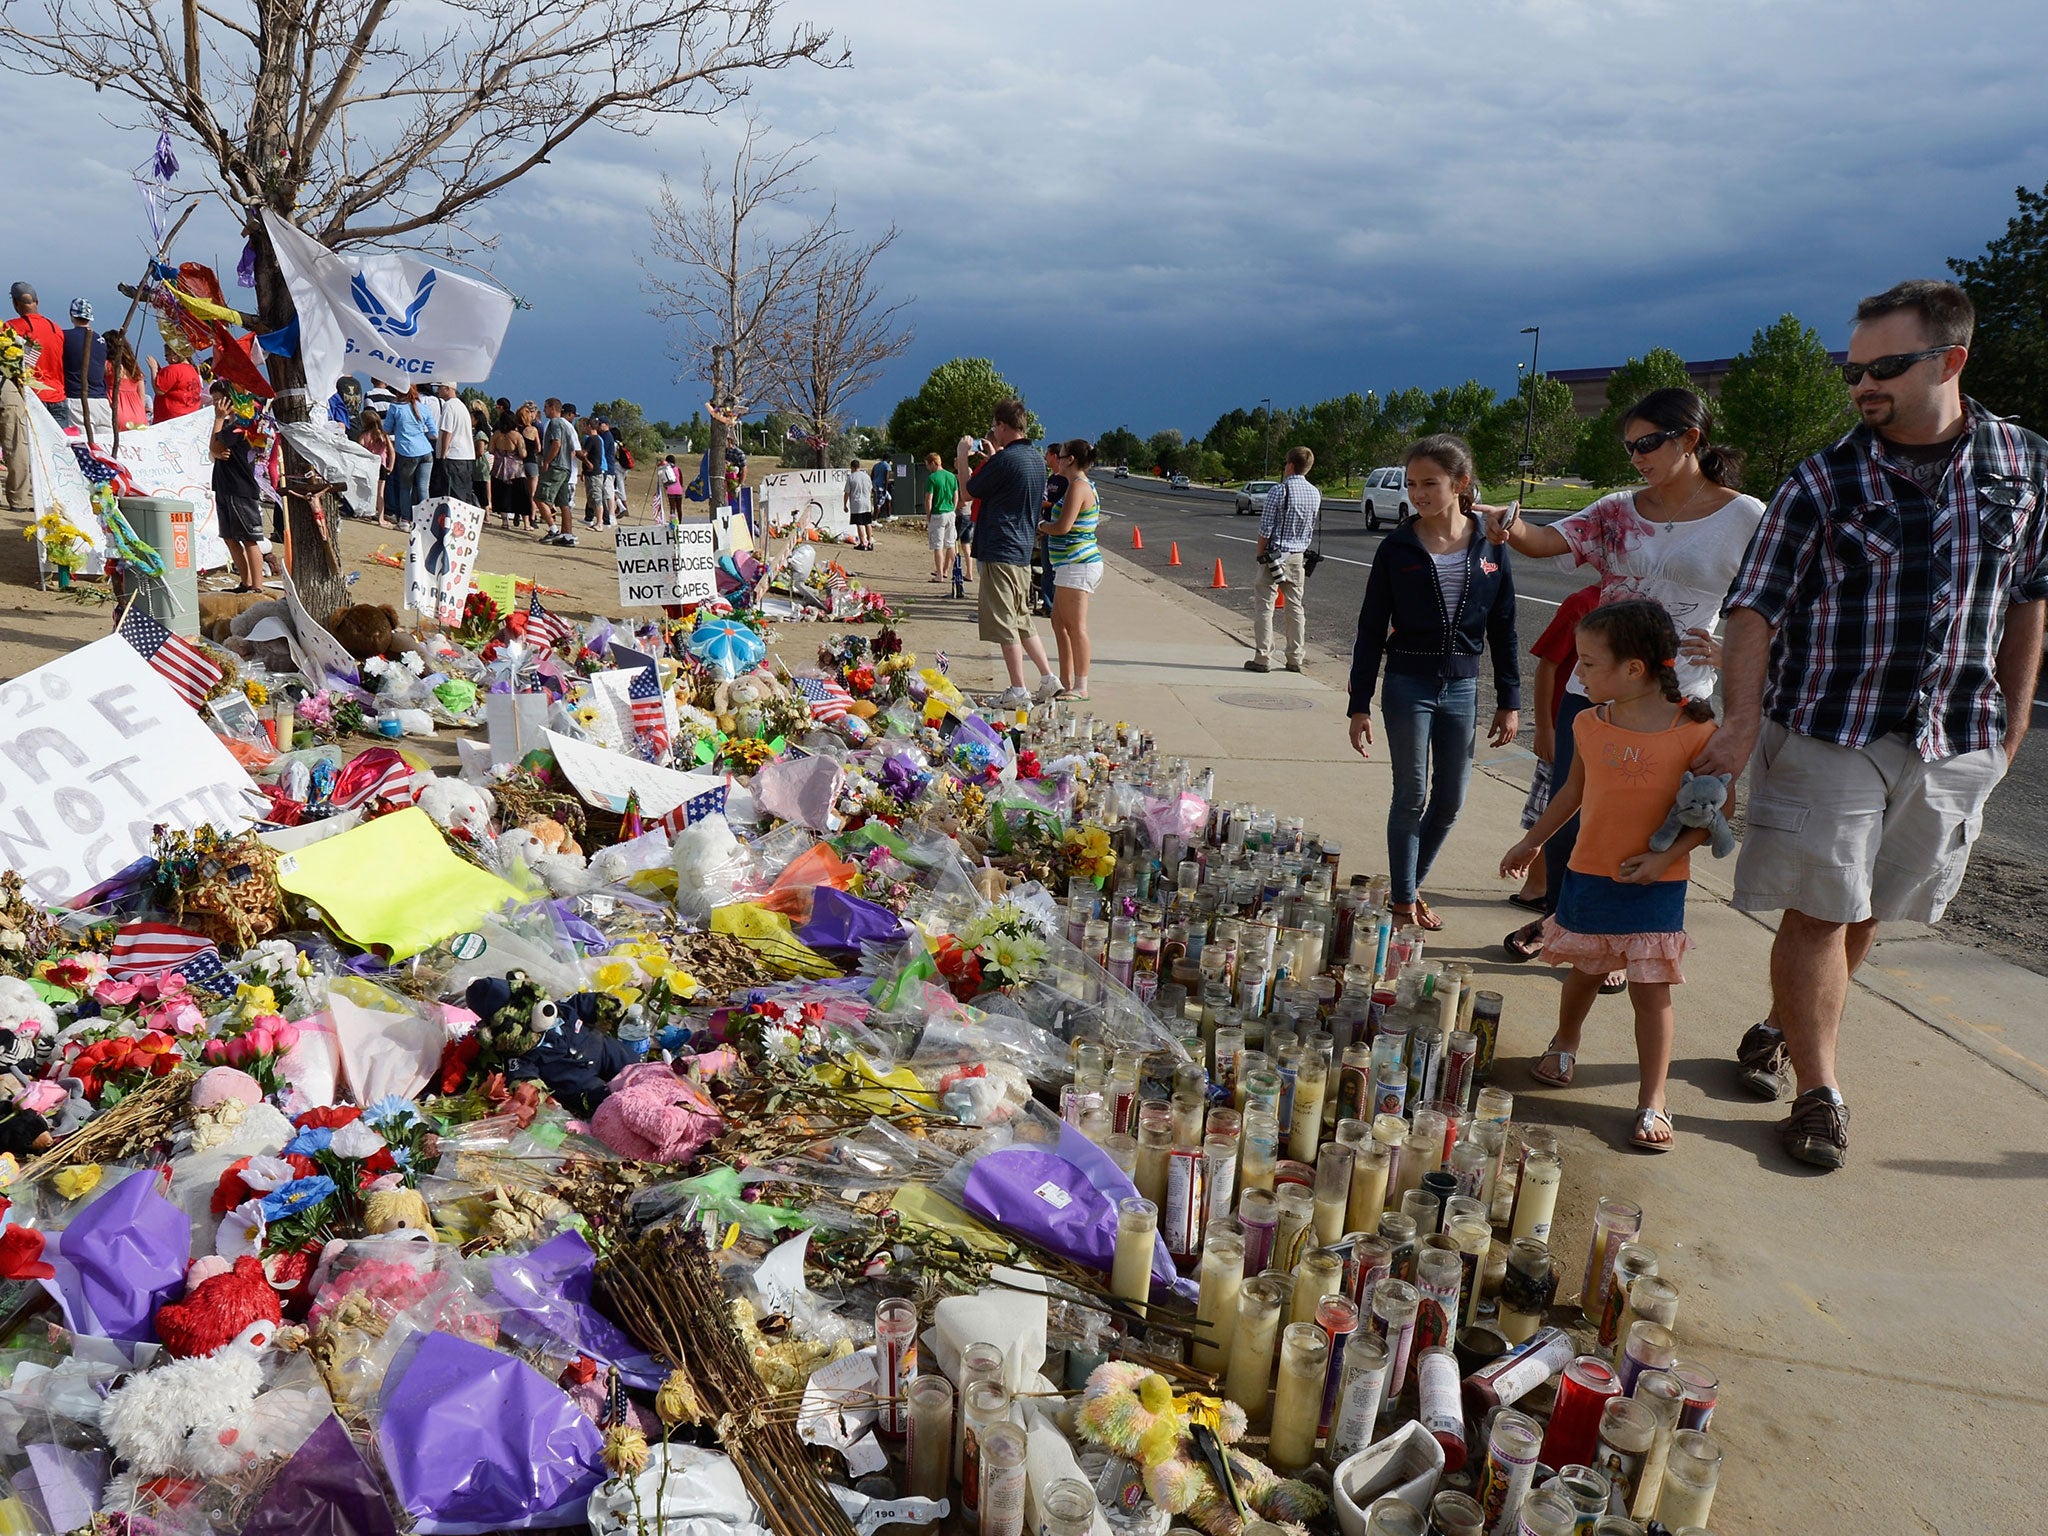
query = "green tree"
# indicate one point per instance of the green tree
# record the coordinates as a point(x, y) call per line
point(1783, 399)
point(1458, 408)
point(1119, 445)
point(1164, 450)
point(632, 427)
point(1601, 458)
point(954, 402)
point(1497, 440)
point(2008, 284)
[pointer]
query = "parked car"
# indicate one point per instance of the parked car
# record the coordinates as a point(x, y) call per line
point(1123, 472)
point(1385, 497)
point(1252, 498)
point(1177, 483)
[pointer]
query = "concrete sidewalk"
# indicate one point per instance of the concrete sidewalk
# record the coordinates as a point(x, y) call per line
point(1881, 1333)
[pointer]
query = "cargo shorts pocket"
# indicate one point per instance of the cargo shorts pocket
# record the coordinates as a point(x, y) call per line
point(1828, 836)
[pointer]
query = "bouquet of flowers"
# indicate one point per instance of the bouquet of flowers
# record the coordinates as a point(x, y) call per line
point(1007, 943)
point(64, 544)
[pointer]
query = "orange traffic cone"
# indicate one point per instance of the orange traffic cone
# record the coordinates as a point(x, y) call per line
point(1173, 553)
point(1217, 580)
point(1137, 538)
point(1279, 598)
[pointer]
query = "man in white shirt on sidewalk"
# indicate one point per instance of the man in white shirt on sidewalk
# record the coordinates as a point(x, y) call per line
point(1286, 529)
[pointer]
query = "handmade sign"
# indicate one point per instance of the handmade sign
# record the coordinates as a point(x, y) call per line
point(320, 654)
point(667, 563)
point(96, 750)
point(606, 778)
point(57, 481)
point(393, 884)
point(801, 499)
point(502, 590)
point(175, 459)
point(442, 553)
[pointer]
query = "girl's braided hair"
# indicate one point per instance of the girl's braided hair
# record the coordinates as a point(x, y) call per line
point(1637, 629)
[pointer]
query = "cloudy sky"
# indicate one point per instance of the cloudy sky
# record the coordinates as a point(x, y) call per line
point(1147, 213)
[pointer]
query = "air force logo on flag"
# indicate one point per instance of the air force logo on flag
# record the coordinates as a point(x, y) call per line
point(381, 319)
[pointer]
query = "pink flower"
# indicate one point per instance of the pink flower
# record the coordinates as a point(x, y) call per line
point(286, 1036)
point(115, 994)
point(215, 1051)
point(241, 1051)
point(261, 1040)
point(179, 1015)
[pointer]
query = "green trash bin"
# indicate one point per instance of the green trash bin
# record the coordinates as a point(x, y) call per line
point(168, 526)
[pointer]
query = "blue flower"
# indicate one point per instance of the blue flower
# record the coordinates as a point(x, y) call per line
point(401, 1156)
point(287, 1200)
point(311, 1142)
point(391, 1107)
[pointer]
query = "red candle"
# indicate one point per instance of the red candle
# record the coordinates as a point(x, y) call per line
point(1582, 1393)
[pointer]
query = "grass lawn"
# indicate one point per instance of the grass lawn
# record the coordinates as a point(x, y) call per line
point(1551, 496)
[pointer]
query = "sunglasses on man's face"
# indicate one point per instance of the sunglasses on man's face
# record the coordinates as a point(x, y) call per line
point(1889, 367)
point(1650, 442)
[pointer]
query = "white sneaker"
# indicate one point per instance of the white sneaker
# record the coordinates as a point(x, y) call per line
point(1012, 698)
point(1048, 689)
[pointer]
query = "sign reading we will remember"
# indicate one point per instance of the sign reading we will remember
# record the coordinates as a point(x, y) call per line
point(96, 751)
point(666, 563)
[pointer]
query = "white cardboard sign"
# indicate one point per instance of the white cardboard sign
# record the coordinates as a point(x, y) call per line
point(666, 563)
point(440, 558)
point(175, 459)
point(95, 751)
point(805, 498)
point(605, 778)
point(318, 652)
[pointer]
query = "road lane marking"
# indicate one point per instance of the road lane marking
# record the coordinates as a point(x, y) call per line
point(1238, 538)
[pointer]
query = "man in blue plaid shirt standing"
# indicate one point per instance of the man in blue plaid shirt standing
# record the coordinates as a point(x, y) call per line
point(1287, 527)
point(1884, 635)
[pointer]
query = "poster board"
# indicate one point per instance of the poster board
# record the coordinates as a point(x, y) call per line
point(440, 556)
point(175, 458)
point(799, 499)
point(668, 563)
point(95, 751)
point(319, 653)
point(606, 778)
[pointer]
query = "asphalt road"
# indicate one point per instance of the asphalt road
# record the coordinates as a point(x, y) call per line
point(1205, 525)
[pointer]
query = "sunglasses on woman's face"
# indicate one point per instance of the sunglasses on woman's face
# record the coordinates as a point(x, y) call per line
point(1650, 442)
point(1889, 367)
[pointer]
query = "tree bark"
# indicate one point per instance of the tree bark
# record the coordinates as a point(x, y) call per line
point(714, 452)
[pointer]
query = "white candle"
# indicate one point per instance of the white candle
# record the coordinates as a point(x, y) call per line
point(1537, 1202)
point(1137, 1225)
point(931, 1436)
point(1249, 1380)
point(1216, 1308)
point(1298, 1404)
point(1368, 1187)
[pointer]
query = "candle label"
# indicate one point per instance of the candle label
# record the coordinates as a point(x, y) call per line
point(1054, 1196)
point(1181, 1221)
point(1505, 1482)
point(1438, 1406)
point(1354, 1092)
point(1623, 1471)
point(1359, 1405)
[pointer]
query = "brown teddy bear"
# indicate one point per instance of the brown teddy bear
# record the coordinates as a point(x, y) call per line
point(367, 629)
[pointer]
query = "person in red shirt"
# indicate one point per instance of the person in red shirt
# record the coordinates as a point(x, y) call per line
point(179, 389)
point(1557, 652)
point(38, 330)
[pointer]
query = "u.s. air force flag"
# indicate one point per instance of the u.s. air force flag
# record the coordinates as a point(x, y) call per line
point(390, 316)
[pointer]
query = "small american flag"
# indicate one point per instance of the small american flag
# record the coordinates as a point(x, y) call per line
point(543, 626)
point(835, 579)
point(156, 949)
point(177, 661)
point(827, 699)
point(694, 810)
point(650, 721)
point(945, 663)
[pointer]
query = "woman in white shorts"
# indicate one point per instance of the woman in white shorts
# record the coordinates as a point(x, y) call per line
point(1076, 565)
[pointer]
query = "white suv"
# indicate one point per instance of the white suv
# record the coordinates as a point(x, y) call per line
point(1385, 497)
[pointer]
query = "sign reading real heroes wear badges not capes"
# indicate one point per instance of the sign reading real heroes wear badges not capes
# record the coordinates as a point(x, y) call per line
point(667, 563)
point(96, 751)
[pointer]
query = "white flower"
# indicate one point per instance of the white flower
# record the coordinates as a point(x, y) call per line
point(355, 1140)
point(265, 1173)
point(241, 1231)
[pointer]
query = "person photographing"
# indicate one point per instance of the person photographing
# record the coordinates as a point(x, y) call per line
point(1287, 527)
point(1010, 489)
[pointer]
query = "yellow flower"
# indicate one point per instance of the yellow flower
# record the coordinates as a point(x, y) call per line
point(76, 1183)
point(251, 1000)
point(614, 974)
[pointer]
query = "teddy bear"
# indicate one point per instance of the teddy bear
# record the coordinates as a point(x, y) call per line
point(1132, 1411)
point(1699, 802)
point(373, 629)
point(273, 655)
point(224, 1305)
point(740, 703)
point(460, 808)
point(187, 1416)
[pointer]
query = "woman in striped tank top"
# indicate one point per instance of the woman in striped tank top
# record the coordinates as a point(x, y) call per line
point(1076, 564)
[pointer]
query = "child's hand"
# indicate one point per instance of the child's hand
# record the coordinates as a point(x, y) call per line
point(1515, 863)
point(1645, 868)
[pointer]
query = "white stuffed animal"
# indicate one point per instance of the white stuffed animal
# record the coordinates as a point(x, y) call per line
point(461, 808)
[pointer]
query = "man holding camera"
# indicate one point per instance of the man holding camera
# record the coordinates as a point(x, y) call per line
point(1010, 486)
point(1287, 527)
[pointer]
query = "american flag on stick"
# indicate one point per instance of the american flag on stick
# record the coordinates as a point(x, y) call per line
point(650, 721)
point(176, 660)
point(827, 699)
point(543, 626)
point(694, 810)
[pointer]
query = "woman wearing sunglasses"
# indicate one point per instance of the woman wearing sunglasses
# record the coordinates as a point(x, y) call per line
point(1678, 539)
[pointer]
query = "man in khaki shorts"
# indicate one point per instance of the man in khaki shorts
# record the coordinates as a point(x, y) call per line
point(1009, 486)
point(1883, 639)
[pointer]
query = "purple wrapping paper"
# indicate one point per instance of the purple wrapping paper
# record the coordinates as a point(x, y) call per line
point(127, 1252)
point(477, 1441)
point(546, 1293)
point(326, 1489)
point(840, 921)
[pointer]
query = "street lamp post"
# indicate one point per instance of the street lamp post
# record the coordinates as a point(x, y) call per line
point(1529, 420)
point(1266, 448)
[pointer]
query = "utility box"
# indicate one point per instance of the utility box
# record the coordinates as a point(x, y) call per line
point(167, 526)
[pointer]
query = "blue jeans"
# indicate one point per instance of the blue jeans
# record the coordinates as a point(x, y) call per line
point(409, 486)
point(1557, 853)
point(1430, 724)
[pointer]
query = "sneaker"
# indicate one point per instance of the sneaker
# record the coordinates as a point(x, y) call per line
point(1762, 1064)
point(1012, 698)
point(1048, 690)
point(1817, 1130)
point(1294, 666)
point(1256, 665)
point(566, 541)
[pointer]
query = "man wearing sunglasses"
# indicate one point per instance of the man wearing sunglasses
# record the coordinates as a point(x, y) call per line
point(1883, 640)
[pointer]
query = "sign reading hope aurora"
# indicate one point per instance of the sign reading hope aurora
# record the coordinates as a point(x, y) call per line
point(96, 751)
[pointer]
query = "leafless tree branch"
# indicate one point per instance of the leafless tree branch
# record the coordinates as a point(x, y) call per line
point(841, 342)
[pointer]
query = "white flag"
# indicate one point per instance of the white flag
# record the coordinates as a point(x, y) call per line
point(390, 316)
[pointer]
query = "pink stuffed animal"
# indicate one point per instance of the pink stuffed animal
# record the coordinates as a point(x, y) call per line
point(654, 1116)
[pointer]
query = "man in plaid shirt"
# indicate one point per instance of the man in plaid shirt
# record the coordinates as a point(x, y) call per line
point(1286, 529)
point(1883, 639)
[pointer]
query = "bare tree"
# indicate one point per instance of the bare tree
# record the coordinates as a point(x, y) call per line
point(840, 343)
point(368, 121)
point(736, 277)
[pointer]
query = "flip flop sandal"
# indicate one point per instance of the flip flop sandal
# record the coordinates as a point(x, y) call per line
point(1616, 982)
point(1647, 1120)
point(1526, 903)
point(1426, 919)
point(1520, 945)
point(1567, 1061)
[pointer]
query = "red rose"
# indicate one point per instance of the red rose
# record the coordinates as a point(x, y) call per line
point(231, 1191)
point(456, 1060)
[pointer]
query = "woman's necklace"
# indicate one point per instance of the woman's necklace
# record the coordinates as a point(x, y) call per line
point(1673, 519)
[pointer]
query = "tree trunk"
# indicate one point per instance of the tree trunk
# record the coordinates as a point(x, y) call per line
point(316, 548)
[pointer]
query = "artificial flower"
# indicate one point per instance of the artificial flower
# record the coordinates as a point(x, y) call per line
point(299, 1195)
point(310, 1143)
point(78, 1181)
point(263, 1174)
point(355, 1140)
point(241, 1232)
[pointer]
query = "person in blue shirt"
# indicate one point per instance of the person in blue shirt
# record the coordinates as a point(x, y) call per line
point(411, 439)
point(597, 477)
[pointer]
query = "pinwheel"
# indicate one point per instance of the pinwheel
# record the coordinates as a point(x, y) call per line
point(727, 646)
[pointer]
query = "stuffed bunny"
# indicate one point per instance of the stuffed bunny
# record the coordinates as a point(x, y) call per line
point(1699, 802)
